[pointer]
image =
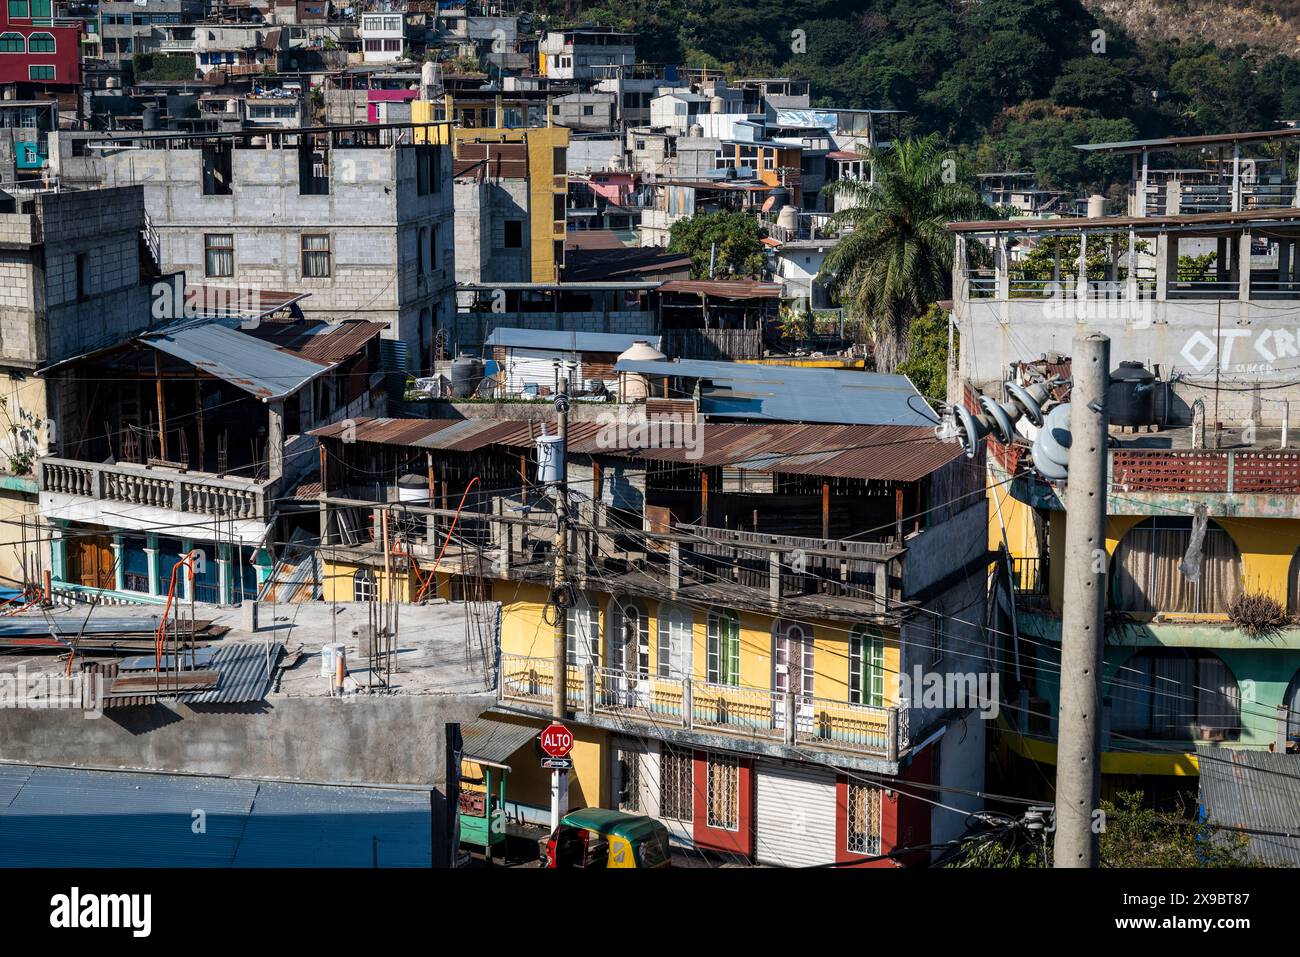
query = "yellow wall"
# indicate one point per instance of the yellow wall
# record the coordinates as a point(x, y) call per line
point(1266, 545)
point(524, 632)
point(529, 783)
point(339, 576)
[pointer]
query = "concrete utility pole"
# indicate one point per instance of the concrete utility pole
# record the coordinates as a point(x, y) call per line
point(560, 586)
point(1078, 756)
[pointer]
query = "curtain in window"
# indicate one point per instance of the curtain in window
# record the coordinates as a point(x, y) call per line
point(1218, 701)
point(1173, 698)
point(220, 255)
point(1130, 696)
point(316, 256)
point(1147, 576)
point(674, 641)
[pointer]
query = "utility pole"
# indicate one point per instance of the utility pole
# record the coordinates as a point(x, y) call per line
point(560, 586)
point(1078, 755)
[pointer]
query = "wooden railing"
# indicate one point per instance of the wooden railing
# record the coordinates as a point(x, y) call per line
point(157, 487)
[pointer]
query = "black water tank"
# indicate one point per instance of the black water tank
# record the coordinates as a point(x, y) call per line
point(1132, 395)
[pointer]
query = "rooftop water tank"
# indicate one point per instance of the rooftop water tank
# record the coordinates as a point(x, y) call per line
point(466, 374)
point(1131, 398)
point(413, 487)
point(635, 385)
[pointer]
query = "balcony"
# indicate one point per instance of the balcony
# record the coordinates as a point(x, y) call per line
point(161, 488)
point(685, 705)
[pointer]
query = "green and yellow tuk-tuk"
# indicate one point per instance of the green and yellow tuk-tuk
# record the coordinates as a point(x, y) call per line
point(597, 837)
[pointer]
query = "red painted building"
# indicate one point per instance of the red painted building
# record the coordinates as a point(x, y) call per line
point(37, 49)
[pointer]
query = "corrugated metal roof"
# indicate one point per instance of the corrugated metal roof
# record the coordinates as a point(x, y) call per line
point(725, 288)
point(244, 673)
point(75, 818)
point(566, 340)
point(493, 741)
point(794, 394)
point(901, 453)
point(251, 364)
point(1255, 789)
point(323, 342)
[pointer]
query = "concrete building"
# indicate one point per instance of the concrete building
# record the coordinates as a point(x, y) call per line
point(383, 36)
point(71, 279)
point(510, 196)
point(588, 112)
point(128, 27)
point(588, 54)
point(361, 223)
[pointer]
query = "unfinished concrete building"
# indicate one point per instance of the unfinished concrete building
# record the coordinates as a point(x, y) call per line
point(358, 217)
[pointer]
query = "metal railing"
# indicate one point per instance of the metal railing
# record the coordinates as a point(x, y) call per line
point(1030, 577)
point(676, 702)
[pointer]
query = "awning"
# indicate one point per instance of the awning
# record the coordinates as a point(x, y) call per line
point(255, 366)
point(491, 742)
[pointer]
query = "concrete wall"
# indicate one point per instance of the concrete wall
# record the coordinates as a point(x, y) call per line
point(482, 209)
point(399, 739)
point(373, 214)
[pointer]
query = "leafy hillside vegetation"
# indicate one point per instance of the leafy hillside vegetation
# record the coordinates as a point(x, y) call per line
point(1009, 82)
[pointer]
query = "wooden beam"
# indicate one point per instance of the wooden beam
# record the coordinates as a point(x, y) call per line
point(826, 510)
point(162, 412)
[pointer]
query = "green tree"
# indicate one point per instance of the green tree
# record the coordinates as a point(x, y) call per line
point(732, 240)
point(1093, 82)
point(1140, 836)
point(897, 260)
point(927, 355)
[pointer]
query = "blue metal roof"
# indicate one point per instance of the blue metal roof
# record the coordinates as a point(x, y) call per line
point(1258, 790)
point(58, 817)
point(566, 340)
point(242, 360)
point(794, 394)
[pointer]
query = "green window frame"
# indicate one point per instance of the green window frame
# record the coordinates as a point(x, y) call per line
point(724, 647)
point(40, 9)
point(40, 73)
point(867, 666)
point(19, 9)
point(40, 43)
point(12, 43)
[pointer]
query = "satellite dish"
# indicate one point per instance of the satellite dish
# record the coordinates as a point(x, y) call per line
point(1051, 450)
point(971, 429)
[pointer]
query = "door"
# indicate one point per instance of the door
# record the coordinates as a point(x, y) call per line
point(794, 813)
point(793, 670)
point(629, 651)
point(94, 562)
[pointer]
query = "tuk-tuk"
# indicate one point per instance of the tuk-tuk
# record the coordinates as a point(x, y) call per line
point(596, 837)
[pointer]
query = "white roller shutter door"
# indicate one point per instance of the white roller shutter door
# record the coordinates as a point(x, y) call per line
point(795, 815)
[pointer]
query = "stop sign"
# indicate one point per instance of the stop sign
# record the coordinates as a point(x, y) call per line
point(557, 741)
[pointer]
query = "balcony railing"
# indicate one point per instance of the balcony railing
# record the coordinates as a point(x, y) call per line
point(156, 487)
point(685, 704)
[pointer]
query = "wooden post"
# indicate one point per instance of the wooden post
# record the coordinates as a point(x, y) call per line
point(898, 513)
point(826, 510)
point(162, 412)
point(704, 496)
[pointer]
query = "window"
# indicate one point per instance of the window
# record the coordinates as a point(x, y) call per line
point(1292, 703)
point(629, 781)
point(629, 637)
point(427, 170)
point(1146, 575)
point(219, 255)
point(588, 111)
point(583, 633)
point(83, 275)
point(674, 641)
point(40, 43)
point(724, 647)
point(862, 835)
point(392, 45)
point(19, 9)
point(640, 145)
point(364, 586)
point(867, 666)
point(315, 256)
point(936, 636)
point(11, 43)
point(792, 659)
point(40, 73)
point(40, 8)
point(723, 799)
point(559, 161)
point(217, 169)
point(677, 784)
point(514, 234)
point(1175, 693)
point(557, 207)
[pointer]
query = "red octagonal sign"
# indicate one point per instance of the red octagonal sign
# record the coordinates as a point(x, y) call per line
point(557, 741)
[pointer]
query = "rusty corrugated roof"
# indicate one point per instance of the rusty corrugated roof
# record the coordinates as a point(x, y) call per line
point(725, 288)
point(885, 452)
point(327, 342)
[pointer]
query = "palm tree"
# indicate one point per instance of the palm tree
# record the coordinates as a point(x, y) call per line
point(897, 260)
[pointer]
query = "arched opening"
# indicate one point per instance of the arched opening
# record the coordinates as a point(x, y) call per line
point(1149, 573)
point(364, 586)
point(1175, 693)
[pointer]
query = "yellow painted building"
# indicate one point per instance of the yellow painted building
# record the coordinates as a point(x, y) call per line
point(548, 181)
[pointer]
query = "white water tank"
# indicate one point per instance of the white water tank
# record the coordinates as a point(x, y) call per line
point(412, 487)
point(1096, 206)
point(634, 386)
point(329, 655)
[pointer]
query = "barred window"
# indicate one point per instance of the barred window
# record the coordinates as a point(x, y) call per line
point(867, 666)
point(723, 774)
point(315, 255)
point(364, 587)
point(863, 831)
point(677, 784)
point(219, 255)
